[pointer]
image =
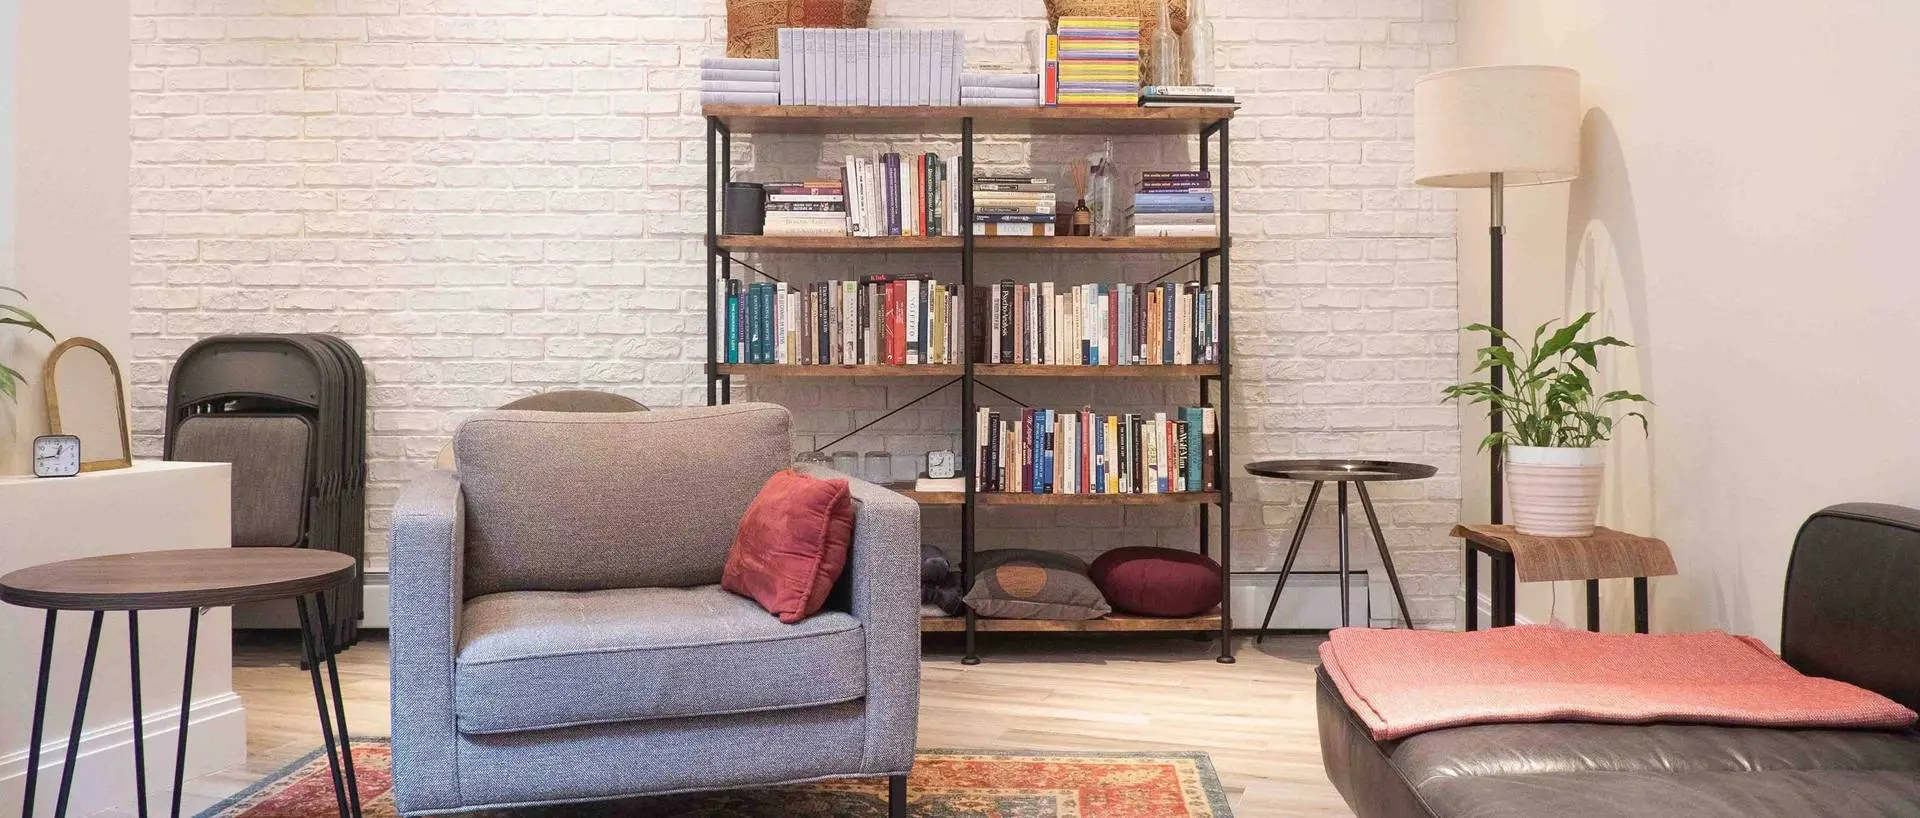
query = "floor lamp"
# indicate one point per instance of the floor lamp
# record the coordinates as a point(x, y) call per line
point(1496, 127)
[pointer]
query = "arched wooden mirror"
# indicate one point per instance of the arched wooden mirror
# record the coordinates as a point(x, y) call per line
point(86, 399)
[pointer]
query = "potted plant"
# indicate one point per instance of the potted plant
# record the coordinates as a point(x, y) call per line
point(15, 315)
point(1553, 424)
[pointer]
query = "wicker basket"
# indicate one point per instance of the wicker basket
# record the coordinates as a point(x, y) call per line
point(753, 25)
point(1146, 11)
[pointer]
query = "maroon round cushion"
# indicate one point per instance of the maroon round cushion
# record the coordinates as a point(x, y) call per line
point(1157, 581)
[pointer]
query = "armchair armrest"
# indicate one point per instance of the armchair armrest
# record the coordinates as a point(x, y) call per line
point(883, 584)
point(428, 541)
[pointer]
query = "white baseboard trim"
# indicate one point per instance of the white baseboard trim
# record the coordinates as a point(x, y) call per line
point(1310, 602)
point(280, 615)
point(217, 739)
point(1485, 606)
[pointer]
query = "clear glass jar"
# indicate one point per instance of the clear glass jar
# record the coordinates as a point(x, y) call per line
point(847, 462)
point(877, 468)
point(815, 459)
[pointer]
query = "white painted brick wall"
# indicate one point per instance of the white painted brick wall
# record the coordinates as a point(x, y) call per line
point(494, 197)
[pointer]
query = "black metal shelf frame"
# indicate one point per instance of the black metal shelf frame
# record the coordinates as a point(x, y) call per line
point(1215, 139)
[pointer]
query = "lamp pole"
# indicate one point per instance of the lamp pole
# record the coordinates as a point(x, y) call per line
point(1497, 232)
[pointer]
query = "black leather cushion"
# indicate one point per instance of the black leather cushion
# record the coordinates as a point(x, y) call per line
point(1564, 769)
point(1852, 610)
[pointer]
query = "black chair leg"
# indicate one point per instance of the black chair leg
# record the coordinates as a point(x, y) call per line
point(1386, 557)
point(897, 796)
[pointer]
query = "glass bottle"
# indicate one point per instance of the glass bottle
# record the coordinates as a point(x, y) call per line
point(1199, 44)
point(1166, 49)
point(1100, 190)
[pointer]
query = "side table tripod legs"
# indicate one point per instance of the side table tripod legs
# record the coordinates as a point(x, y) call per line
point(315, 648)
point(1386, 557)
point(1299, 534)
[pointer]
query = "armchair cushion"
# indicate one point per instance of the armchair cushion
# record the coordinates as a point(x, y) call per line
point(792, 545)
point(561, 501)
point(534, 660)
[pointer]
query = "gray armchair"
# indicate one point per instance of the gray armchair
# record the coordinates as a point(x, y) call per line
point(559, 635)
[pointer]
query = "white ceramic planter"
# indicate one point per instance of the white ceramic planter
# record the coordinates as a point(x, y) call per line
point(1553, 492)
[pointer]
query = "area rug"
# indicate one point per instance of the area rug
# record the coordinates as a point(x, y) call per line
point(944, 784)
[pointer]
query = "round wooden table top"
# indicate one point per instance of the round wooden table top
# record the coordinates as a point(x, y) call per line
point(193, 578)
point(1350, 471)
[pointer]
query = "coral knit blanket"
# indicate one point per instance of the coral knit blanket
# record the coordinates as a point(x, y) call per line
point(1402, 682)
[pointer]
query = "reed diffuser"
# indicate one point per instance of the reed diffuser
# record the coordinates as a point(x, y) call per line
point(1082, 215)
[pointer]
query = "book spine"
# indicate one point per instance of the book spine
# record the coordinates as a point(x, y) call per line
point(991, 440)
point(913, 354)
point(1050, 83)
point(1209, 449)
point(1003, 308)
point(1169, 299)
point(892, 189)
point(1026, 450)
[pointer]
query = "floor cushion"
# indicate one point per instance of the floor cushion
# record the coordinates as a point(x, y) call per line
point(533, 660)
point(1157, 581)
point(1023, 583)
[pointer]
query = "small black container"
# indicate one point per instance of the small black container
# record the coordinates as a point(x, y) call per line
point(745, 211)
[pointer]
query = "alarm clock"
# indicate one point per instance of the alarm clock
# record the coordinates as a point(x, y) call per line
point(56, 456)
point(942, 465)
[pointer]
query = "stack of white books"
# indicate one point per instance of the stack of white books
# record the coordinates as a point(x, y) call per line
point(870, 66)
point(1021, 90)
point(739, 81)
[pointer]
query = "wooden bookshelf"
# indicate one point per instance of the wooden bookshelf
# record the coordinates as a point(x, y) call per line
point(1211, 257)
point(1109, 623)
point(936, 119)
point(844, 370)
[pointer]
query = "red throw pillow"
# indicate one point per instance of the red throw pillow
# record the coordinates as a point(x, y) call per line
point(792, 545)
point(1157, 581)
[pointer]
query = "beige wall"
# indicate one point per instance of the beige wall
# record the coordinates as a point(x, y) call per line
point(1746, 216)
point(69, 196)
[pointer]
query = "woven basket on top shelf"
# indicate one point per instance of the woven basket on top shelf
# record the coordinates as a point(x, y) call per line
point(1146, 11)
point(752, 25)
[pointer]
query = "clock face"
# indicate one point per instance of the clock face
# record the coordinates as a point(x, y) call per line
point(56, 456)
point(940, 464)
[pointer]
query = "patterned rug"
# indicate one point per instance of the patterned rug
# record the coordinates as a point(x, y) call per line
point(944, 784)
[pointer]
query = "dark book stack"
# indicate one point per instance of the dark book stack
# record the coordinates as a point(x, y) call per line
point(817, 207)
point(1174, 203)
point(1013, 206)
point(1096, 324)
point(899, 320)
point(1043, 451)
point(896, 194)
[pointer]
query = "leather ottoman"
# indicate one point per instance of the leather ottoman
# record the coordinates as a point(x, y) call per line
point(1852, 613)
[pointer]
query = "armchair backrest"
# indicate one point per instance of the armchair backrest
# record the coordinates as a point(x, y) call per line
point(588, 501)
point(1852, 609)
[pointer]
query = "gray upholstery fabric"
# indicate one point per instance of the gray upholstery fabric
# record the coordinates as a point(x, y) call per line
point(269, 458)
point(423, 630)
point(882, 584)
point(661, 756)
point(644, 653)
point(437, 768)
point(588, 501)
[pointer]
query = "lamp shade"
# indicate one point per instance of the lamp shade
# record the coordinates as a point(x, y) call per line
point(1519, 120)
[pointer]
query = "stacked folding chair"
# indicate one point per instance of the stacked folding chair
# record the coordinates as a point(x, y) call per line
point(289, 413)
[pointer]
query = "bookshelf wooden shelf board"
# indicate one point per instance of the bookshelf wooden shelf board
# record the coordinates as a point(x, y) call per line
point(1183, 245)
point(840, 244)
point(933, 119)
point(1212, 126)
point(1113, 622)
point(844, 370)
point(1173, 371)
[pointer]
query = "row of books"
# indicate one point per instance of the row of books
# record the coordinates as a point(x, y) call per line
point(870, 66)
point(1013, 206)
point(1094, 61)
point(899, 320)
point(1098, 324)
point(902, 195)
point(1005, 89)
point(739, 81)
point(1044, 451)
point(816, 207)
point(1174, 203)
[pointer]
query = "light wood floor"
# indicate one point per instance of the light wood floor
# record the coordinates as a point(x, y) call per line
point(1163, 692)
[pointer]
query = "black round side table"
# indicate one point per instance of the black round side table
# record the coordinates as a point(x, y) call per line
point(1339, 472)
point(192, 579)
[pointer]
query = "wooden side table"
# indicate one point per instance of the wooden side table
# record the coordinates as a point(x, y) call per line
point(194, 580)
point(1605, 554)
